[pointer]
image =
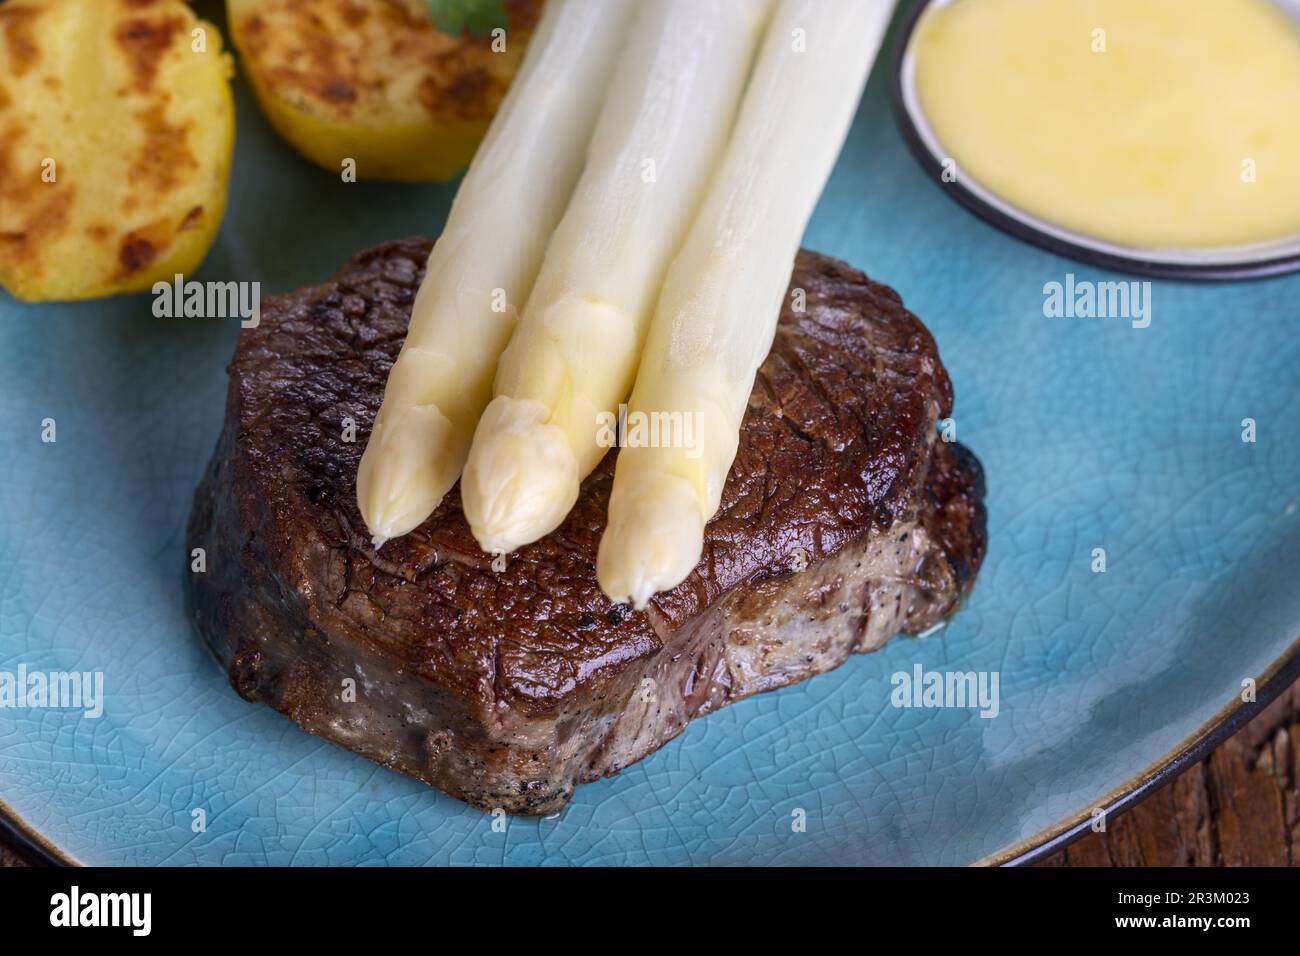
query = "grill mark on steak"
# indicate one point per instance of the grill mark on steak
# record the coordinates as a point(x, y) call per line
point(508, 689)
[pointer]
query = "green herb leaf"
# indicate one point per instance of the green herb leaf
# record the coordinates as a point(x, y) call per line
point(476, 17)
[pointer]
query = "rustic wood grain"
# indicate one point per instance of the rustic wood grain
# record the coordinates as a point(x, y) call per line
point(1239, 807)
point(9, 858)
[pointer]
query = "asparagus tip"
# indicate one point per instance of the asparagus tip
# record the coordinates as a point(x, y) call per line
point(654, 540)
point(521, 478)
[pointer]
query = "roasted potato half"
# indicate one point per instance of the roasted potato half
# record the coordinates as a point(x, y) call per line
point(374, 81)
point(116, 131)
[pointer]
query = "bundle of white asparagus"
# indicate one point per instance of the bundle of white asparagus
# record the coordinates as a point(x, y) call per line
point(659, 272)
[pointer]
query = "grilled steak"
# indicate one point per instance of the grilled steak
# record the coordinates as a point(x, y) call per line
point(845, 520)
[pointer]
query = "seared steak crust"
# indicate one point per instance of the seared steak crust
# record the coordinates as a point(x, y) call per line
point(844, 521)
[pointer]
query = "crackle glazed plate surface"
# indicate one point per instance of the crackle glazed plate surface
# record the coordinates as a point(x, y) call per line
point(1100, 439)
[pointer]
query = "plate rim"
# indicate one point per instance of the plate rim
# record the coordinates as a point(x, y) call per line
point(30, 843)
point(1280, 674)
point(1268, 266)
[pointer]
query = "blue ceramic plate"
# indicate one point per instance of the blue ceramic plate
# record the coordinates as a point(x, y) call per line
point(1094, 433)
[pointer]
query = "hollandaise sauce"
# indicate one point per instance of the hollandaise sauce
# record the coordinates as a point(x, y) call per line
point(1144, 123)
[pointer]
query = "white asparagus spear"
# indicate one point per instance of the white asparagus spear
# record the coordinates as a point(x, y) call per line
point(574, 353)
point(717, 313)
point(482, 268)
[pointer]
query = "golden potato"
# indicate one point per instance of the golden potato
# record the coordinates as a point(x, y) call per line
point(116, 131)
point(375, 82)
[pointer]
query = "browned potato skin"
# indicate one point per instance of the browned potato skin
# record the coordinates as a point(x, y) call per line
point(140, 128)
point(375, 82)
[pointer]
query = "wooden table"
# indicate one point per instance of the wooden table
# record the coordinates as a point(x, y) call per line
point(1239, 807)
